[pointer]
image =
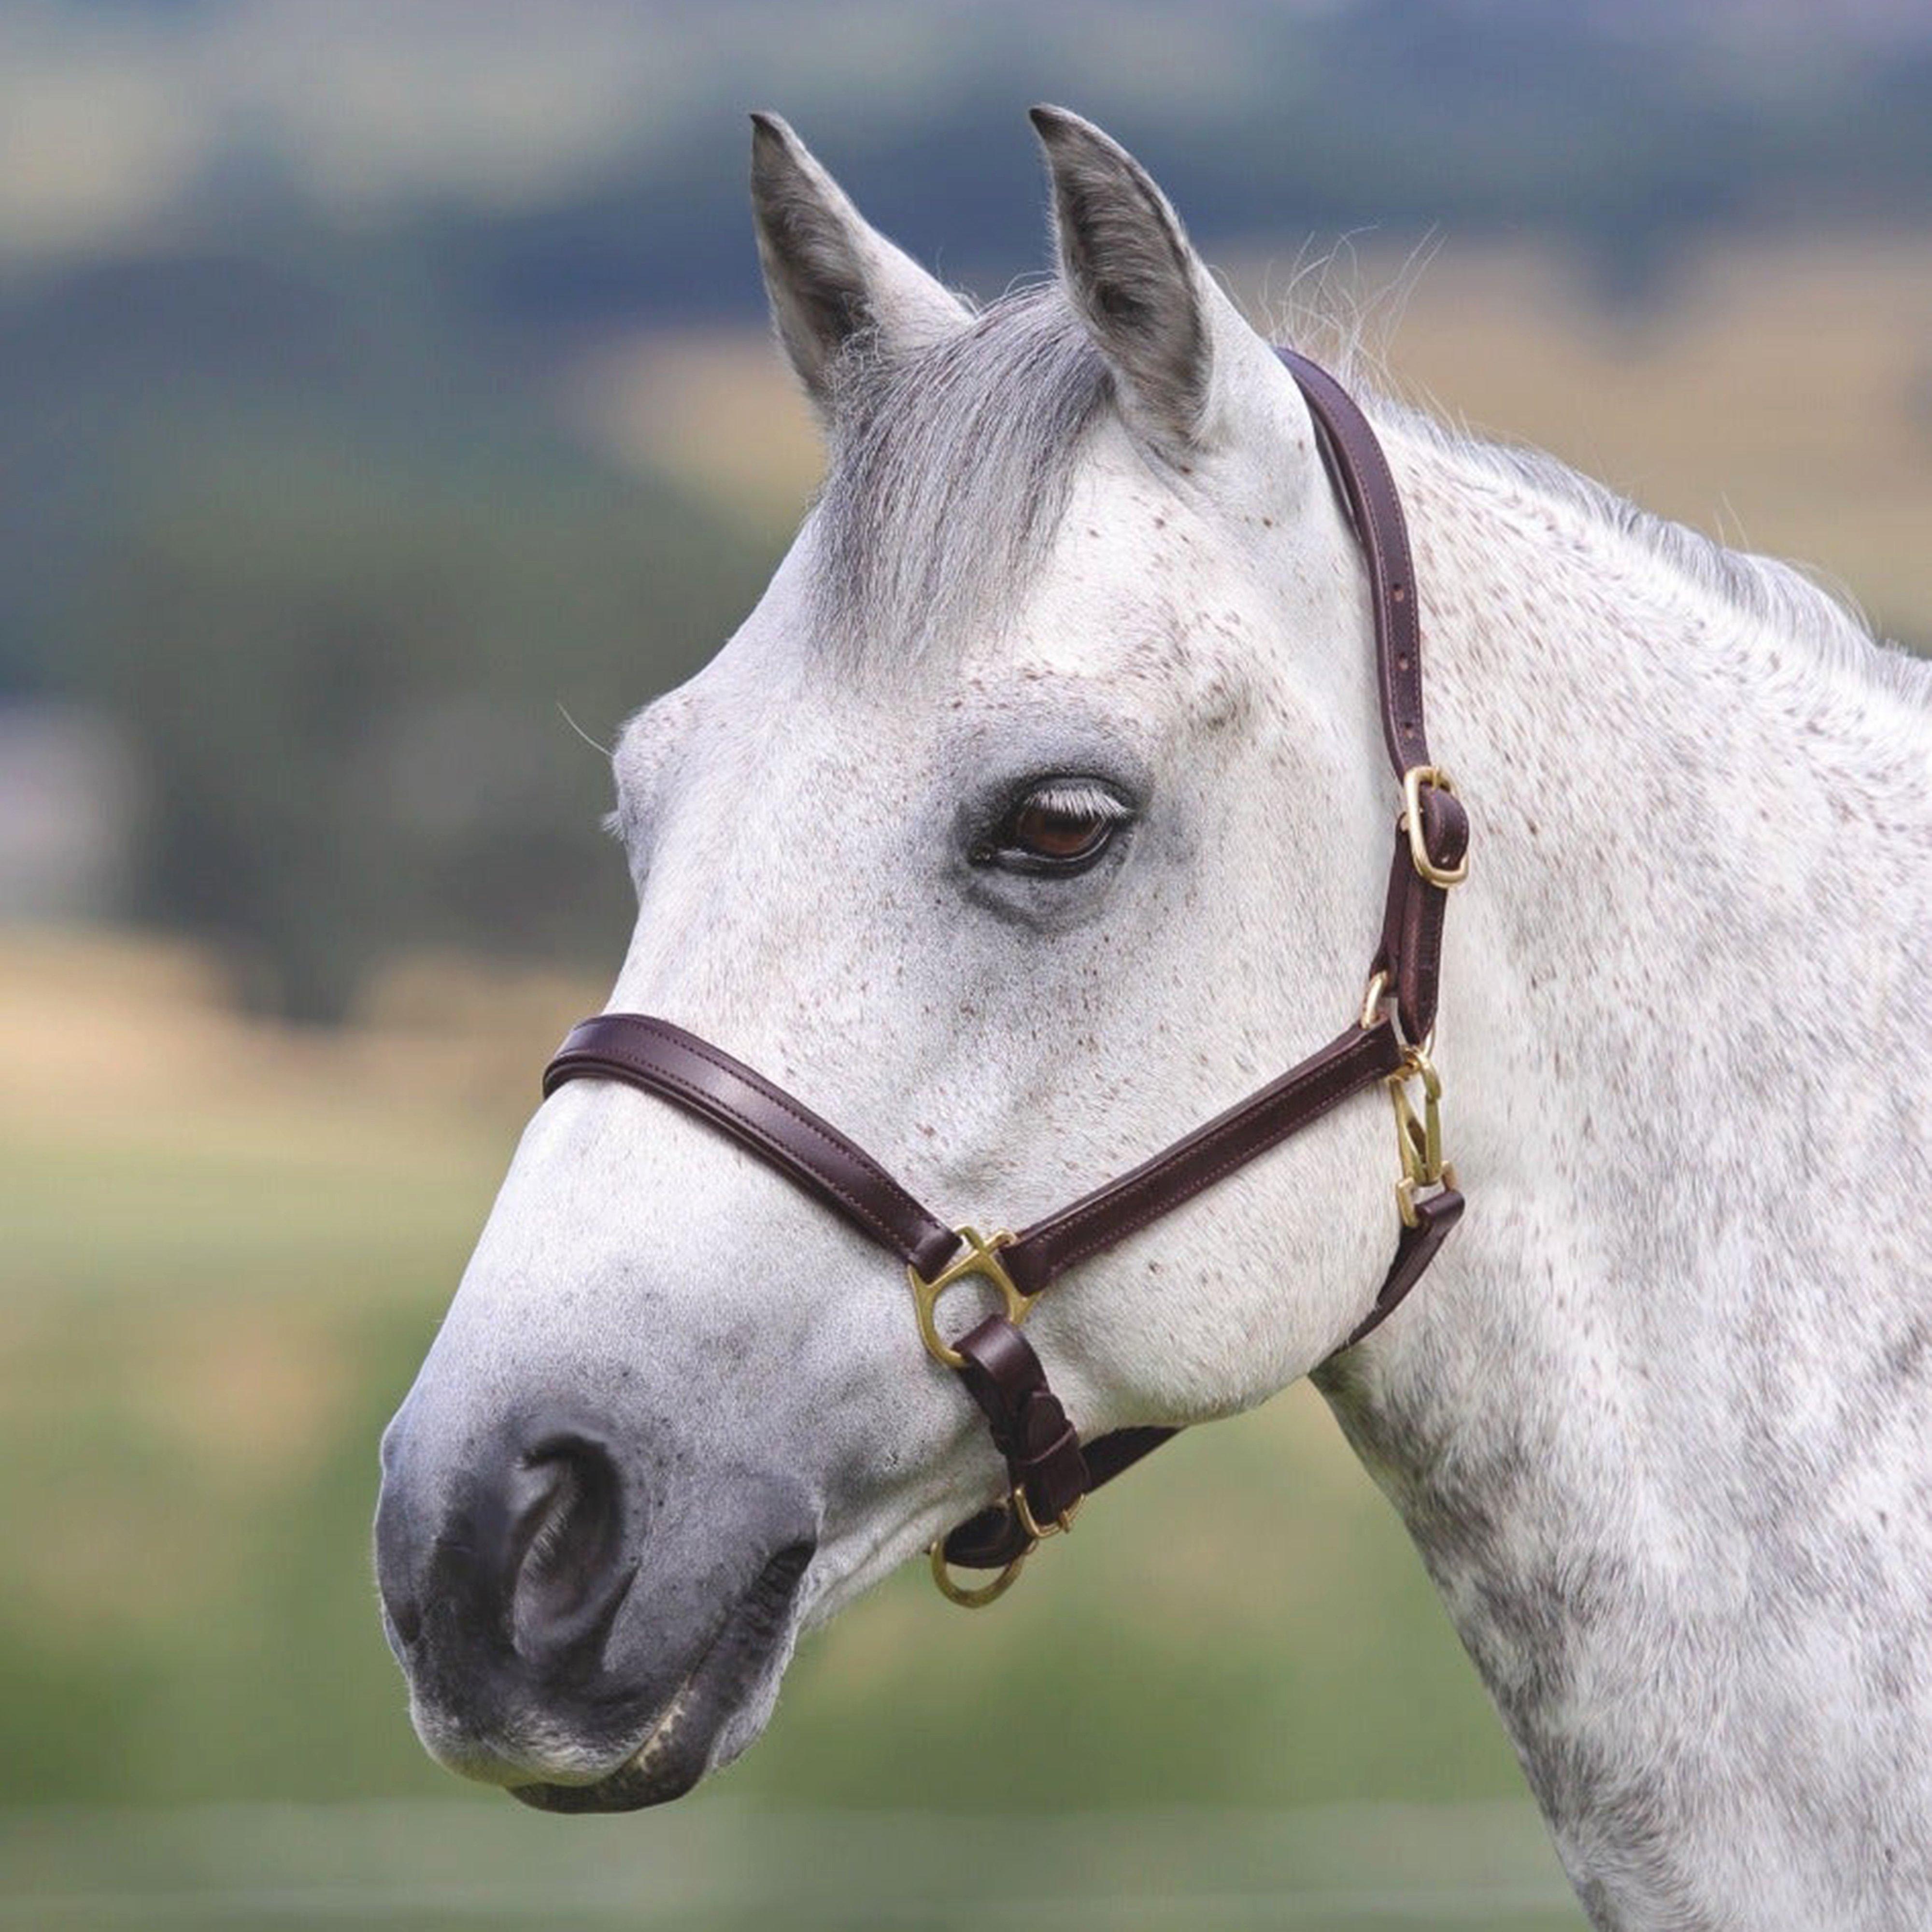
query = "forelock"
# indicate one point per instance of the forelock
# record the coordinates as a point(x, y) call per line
point(949, 472)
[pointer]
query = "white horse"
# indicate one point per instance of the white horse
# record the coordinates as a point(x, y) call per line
point(1024, 825)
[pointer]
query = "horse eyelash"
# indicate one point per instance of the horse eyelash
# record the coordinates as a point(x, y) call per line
point(1076, 800)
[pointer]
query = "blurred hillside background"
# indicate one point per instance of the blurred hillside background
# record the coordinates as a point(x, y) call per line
point(385, 402)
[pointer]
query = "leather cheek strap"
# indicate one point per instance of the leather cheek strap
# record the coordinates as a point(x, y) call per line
point(1413, 915)
point(1350, 1063)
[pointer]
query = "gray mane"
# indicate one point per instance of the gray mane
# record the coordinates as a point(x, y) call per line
point(950, 472)
point(1777, 595)
point(950, 468)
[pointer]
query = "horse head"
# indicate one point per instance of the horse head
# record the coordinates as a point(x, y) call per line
point(1017, 830)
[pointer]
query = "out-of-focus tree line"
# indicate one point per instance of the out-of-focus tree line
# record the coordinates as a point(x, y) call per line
point(307, 534)
point(288, 497)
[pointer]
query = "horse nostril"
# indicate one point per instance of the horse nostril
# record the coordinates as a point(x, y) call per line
point(397, 1570)
point(405, 1618)
point(568, 1530)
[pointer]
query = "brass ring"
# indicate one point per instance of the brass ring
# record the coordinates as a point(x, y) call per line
point(987, 1593)
point(1373, 999)
point(981, 1259)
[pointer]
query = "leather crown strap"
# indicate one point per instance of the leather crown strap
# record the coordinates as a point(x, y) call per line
point(1049, 1470)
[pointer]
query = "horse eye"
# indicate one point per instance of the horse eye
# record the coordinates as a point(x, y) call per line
point(1051, 832)
point(1057, 828)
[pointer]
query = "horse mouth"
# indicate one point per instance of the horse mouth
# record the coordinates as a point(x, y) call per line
point(676, 1750)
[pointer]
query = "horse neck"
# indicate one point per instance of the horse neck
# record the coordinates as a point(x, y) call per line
point(1664, 1384)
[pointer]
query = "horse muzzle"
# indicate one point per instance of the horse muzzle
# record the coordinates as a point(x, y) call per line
point(578, 1623)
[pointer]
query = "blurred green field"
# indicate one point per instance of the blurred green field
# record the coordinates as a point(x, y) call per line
point(728, 1865)
point(225, 1248)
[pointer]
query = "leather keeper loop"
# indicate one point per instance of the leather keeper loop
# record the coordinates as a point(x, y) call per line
point(1029, 1427)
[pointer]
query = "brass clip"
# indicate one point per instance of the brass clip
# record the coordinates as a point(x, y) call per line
point(1036, 1533)
point(1418, 1138)
point(1374, 996)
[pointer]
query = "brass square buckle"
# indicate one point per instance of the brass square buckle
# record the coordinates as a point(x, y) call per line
point(982, 1258)
point(1437, 779)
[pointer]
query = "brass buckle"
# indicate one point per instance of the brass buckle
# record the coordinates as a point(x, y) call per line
point(1036, 1531)
point(1418, 1138)
point(1437, 779)
point(981, 1259)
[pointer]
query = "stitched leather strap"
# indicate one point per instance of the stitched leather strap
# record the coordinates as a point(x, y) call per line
point(1410, 951)
point(659, 1058)
point(1361, 473)
point(1346, 1065)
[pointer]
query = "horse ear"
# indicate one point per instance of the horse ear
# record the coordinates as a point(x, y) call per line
point(831, 277)
point(1151, 305)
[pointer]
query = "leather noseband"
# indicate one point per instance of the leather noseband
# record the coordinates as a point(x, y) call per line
point(1049, 1470)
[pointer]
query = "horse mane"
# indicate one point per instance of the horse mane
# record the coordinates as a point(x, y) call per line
point(951, 466)
point(1767, 591)
point(950, 471)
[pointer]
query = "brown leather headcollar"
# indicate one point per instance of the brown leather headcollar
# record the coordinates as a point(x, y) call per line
point(1049, 1471)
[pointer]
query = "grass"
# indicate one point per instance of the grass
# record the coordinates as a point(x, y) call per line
point(227, 1249)
point(732, 1864)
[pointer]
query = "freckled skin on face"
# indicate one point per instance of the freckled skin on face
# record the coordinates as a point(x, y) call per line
point(1657, 1421)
